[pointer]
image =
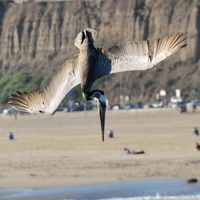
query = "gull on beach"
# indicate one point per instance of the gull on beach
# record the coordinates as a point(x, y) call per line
point(92, 63)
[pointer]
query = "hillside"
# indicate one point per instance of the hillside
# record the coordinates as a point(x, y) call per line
point(36, 38)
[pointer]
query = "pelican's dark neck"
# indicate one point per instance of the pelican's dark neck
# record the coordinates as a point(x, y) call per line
point(87, 47)
point(93, 94)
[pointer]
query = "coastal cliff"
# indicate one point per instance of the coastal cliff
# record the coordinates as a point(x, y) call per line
point(38, 37)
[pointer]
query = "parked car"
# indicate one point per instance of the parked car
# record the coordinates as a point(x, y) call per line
point(192, 103)
point(157, 104)
point(77, 107)
point(138, 105)
point(115, 107)
point(63, 108)
point(1, 110)
point(172, 105)
point(8, 111)
point(176, 99)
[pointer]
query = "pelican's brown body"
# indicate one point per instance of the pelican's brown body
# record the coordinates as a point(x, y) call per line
point(87, 61)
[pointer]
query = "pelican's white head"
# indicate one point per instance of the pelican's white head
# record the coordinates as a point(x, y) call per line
point(88, 35)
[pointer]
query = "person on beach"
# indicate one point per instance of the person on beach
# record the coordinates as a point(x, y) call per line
point(197, 148)
point(110, 134)
point(194, 107)
point(196, 131)
point(183, 108)
point(138, 152)
point(128, 151)
point(10, 136)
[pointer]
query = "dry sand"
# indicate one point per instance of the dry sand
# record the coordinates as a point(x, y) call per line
point(66, 149)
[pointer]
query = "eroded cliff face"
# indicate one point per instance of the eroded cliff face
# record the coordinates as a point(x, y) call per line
point(39, 37)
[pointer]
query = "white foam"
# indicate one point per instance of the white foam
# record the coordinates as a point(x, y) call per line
point(158, 197)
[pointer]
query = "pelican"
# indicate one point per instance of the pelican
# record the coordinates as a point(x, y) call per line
point(92, 63)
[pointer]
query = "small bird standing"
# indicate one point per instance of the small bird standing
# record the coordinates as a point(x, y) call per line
point(92, 63)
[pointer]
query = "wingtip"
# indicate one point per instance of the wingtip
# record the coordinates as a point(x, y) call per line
point(17, 102)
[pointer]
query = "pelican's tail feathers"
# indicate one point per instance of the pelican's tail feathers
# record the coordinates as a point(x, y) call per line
point(91, 34)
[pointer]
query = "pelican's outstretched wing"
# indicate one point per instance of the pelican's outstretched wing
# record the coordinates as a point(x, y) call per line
point(137, 55)
point(48, 100)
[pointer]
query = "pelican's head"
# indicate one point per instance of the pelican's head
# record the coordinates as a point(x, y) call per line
point(87, 38)
point(88, 35)
point(99, 96)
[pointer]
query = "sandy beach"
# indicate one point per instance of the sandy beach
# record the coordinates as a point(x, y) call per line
point(66, 149)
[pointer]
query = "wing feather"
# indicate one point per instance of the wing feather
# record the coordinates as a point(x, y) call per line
point(48, 100)
point(138, 56)
point(129, 56)
point(167, 46)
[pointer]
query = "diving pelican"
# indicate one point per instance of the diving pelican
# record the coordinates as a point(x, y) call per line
point(92, 63)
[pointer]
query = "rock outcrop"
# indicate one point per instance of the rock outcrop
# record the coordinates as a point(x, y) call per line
point(39, 37)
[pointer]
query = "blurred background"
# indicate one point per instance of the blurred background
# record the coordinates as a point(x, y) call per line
point(37, 37)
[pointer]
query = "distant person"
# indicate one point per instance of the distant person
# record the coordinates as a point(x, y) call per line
point(110, 134)
point(183, 108)
point(197, 148)
point(10, 136)
point(194, 107)
point(138, 152)
point(196, 131)
point(15, 114)
point(128, 151)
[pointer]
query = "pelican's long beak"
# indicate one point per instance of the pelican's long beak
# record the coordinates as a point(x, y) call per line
point(102, 113)
point(99, 96)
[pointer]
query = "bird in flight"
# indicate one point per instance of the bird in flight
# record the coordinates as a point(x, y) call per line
point(92, 63)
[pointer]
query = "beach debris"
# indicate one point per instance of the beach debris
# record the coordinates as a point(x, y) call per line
point(192, 180)
point(32, 174)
